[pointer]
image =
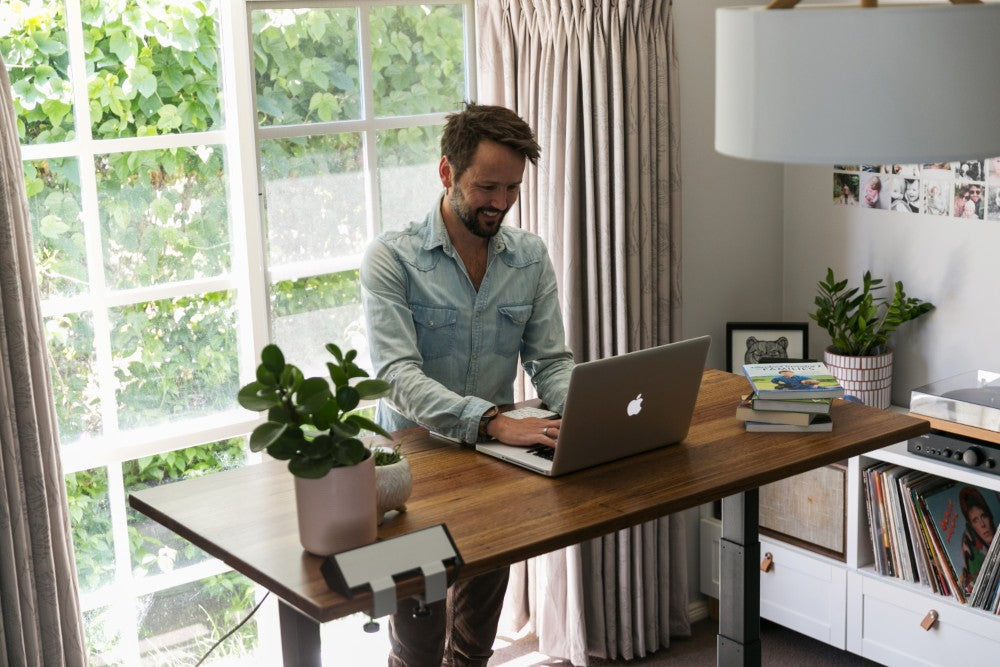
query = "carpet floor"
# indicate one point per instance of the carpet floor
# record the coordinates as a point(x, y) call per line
point(779, 646)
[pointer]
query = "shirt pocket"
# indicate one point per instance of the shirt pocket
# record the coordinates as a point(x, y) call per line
point(510, 327)
point(435, 330)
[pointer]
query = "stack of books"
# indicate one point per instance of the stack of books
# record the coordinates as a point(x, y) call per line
point(789, 397)
point(936, 532)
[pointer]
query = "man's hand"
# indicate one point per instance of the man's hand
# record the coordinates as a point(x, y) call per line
point(524, 432)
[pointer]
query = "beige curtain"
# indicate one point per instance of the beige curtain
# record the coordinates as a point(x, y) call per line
point(597, 79)
point(40, 620)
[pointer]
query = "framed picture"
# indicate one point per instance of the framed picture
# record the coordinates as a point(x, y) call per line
point(751, 342)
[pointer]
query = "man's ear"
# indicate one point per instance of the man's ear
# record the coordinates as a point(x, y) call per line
point(444, 171)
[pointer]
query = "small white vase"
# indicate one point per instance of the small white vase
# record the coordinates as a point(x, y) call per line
point(867, 379)
point(337, 511)
point(393, 483)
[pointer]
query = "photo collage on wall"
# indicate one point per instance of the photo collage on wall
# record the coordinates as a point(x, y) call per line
point(965, 190)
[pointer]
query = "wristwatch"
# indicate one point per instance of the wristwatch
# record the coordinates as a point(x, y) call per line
point(485, 420)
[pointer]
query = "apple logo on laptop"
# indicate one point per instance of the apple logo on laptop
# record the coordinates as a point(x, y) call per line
point(634, 406)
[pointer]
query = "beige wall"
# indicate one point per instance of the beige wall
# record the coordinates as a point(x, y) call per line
point(947, 261)
point(730, 209)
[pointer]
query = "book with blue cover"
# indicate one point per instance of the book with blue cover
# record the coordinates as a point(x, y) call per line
point(807, 379)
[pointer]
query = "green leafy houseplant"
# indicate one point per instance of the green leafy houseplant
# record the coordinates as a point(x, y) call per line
point(385, 456)
point(859, 322)
point(309, 424)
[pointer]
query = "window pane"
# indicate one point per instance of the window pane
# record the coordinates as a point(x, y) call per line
point(155, 548)
point(311, 312)
point(90, 522)
point(306, 65)
point(174, 358)
point(418, 65)
point(178, 625)
point(102, 632)
point(408, 173)
point(154, 66)
point(70, 341)
point(314, 194)
point(53, 188)
point(33, 45)
point(164, 215)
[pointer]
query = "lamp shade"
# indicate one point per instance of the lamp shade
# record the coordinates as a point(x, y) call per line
point(842, 84)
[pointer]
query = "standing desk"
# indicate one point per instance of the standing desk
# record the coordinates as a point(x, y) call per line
point(499, 514)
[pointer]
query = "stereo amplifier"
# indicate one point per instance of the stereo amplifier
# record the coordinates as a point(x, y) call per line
point(959, 450)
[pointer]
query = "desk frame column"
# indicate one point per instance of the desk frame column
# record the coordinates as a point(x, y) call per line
point(300, 641)
point(739, 582)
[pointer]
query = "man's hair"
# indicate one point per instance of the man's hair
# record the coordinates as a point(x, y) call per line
point(464, 130)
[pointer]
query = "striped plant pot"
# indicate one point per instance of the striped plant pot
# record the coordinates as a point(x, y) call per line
point(868, 379)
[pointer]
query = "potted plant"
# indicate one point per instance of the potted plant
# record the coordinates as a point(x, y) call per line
point(393, 480)
point(860, 323)
point(316, 429)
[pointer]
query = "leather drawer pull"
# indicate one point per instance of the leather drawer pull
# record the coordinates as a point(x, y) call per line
point(929, 620)
point(767, 563)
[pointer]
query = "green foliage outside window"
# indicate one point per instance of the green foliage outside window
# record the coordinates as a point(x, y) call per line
point(33, 43)
point(152, 68)
point(306, 295)
point(417, 59)
point(174, 358)
point(53, 189)
point(164, 216)
point(306, 65)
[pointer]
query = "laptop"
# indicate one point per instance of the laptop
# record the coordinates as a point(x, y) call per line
point(619, 406)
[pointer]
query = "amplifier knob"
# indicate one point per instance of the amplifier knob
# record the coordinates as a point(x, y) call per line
point(990, 463)
point(947, 453)
point(972, 456)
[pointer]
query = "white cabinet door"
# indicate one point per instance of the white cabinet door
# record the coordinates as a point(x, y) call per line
point(805, 592)
point(887, 628)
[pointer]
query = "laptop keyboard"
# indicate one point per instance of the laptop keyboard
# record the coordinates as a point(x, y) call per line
point(542, 451)
point(528, 411)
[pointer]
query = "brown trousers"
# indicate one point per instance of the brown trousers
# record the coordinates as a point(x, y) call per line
point(459, 631)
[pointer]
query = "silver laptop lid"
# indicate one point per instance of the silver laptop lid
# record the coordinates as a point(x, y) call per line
point(631, 403)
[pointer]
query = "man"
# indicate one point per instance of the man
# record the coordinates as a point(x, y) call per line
point(789, 380)
point(976, 197)
point(450, 303)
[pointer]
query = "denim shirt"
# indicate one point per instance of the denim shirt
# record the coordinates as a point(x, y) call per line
point(450, 352)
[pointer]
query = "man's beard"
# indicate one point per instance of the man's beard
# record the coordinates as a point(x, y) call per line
point(471, 218)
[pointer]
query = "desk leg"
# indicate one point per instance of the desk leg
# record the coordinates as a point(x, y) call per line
point(739, 582)
point(300, 645)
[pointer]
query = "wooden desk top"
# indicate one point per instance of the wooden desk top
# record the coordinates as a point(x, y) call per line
point(499, 514)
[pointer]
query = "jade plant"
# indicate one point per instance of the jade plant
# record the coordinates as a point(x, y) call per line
point(309, 424)
point(858, 321)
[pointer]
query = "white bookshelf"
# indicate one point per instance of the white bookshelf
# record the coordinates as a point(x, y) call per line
point(848, 605)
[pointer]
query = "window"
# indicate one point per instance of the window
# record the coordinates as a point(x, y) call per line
point(203, 177)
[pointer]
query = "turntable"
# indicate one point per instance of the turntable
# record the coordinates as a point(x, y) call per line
point(971, 398)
